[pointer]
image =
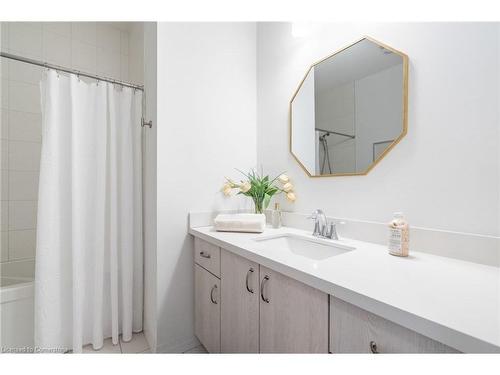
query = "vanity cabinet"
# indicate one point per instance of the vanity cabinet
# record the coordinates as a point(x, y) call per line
point(244, 307)
point(207, 309)
point(239, 304)
point(354, 330)
point(252, 309)
point(293, 316)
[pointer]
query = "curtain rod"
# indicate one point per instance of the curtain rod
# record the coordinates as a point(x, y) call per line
point(337, 133)
point(68, 70)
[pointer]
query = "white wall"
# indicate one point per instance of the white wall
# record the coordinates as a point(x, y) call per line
point(379, 112)
point(206, 128)
point(335, 110)
point(498, 120)
point(136, 68)
point(445, 173)
point(149, 177)
point(101, 48)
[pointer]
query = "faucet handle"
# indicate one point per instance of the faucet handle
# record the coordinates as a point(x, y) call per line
point(335, 222)
point(331, 232)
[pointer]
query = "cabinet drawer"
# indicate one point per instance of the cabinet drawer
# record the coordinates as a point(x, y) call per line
point(207, 256)
point(207, 309)
point(354, 330)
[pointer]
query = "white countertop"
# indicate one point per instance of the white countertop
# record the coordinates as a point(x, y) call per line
point(451, 301)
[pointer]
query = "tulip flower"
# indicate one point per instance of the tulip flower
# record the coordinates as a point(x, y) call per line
point(283, 178)
point(246, 186)
point(261, 188)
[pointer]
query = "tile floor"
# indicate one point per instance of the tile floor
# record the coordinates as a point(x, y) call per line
point(138, 344)
point(200, 349)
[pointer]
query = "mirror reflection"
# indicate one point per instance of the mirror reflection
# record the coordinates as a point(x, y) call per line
point(349, 110)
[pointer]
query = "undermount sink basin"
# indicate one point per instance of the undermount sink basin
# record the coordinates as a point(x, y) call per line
point(308, 247)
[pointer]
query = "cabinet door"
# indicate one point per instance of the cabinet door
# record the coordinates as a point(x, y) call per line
point(207, 309)
point(293, 316)
point(354, 330)
point(239, 304)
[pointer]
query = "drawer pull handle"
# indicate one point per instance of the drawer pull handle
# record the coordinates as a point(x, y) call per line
point(373, 347)
point(251, 270)
point(214, 301)
point(204, 255)
point(264, 280)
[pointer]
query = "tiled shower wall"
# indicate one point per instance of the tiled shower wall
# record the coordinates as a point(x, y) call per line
point(108, 49)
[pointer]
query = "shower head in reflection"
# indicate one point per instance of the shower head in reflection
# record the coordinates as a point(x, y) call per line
point(322, 137)
point(326, 154)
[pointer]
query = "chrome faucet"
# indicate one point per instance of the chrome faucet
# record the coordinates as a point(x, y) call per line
point(320, 220)
point(321, 226)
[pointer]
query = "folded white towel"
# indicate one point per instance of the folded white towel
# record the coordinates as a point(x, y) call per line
point(252, 223)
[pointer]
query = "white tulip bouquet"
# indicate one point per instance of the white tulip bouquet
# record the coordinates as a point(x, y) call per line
point(261, 188)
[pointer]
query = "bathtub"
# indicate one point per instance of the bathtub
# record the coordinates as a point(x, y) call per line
point(16, 307)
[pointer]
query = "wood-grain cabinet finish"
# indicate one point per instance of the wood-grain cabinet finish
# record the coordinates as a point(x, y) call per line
point(293, 316)
point(239, 304)
point(354, 330)
point(244, 307)
point(248, 311)
point(207, 309)
point(207, 256)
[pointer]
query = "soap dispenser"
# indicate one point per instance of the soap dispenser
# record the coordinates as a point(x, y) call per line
point(399, 235)
point(276, 216)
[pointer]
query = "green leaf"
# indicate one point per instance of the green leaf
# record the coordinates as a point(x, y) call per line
point(262, 188)
point(271, 191)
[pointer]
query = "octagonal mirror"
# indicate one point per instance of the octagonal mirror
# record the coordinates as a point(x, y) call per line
point(350, 110)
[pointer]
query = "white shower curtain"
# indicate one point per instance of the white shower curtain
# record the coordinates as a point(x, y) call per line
point(88, 279)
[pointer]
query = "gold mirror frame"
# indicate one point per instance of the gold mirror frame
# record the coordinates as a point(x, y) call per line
point(405, 109)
